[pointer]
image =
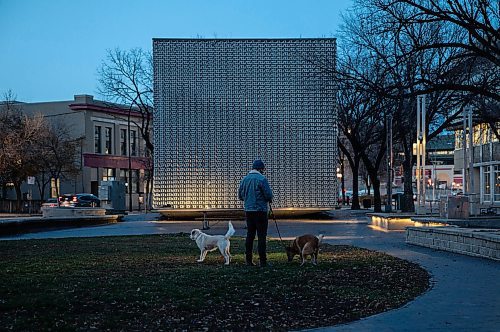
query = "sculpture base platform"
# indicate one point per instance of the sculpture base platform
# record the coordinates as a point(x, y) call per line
point(235, 213)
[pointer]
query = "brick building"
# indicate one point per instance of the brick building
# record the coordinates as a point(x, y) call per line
point(108, 140)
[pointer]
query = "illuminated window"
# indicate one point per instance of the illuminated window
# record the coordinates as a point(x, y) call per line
point(496, 177)
point(487, 184)
point(54, 187)
point(108, 174)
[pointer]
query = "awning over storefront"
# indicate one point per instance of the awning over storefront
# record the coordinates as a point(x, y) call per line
point(98, 160)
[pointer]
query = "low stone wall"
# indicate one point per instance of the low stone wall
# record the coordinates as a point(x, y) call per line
point(391, 222)
point(474, 242)
point(9, 226)
point(61, 212)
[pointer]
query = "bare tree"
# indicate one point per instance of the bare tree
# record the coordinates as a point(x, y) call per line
point(395, 76)
point(59, 158)
point(353, 119)
point(471, 31)
point(126, 77)
point(10, 120)
point(20, 148)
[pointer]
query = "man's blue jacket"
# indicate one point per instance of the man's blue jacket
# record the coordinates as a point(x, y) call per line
point(255, 192)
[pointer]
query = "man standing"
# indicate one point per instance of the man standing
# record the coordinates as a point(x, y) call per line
point(256, 194)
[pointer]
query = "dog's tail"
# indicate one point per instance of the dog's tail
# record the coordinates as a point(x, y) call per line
point(320, 238)
point(230, 231)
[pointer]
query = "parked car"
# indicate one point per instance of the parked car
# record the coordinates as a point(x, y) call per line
point(51, 202)
point(79, 200)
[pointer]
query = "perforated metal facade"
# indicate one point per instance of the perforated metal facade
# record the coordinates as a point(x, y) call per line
point(219, 104)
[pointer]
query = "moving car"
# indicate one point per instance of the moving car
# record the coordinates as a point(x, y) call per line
point(50, 202)
point(80, 200)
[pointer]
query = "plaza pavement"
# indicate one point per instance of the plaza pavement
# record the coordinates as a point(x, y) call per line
point(464, 295)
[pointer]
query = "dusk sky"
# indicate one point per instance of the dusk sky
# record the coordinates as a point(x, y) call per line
point(50, 50)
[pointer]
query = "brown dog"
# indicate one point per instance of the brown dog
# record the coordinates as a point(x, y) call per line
point(304, 245)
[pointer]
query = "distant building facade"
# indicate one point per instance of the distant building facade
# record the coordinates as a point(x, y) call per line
point(485, 172)
point(221, 103)
point(440, 175)
point(106, 144)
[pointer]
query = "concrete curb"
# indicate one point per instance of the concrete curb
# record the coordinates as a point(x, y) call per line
point(37, 224)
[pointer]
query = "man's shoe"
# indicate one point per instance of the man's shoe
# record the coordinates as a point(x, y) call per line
point(265, 264)
point(251, 264)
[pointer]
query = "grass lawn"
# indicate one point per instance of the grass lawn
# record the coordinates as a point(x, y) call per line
point(154, 283)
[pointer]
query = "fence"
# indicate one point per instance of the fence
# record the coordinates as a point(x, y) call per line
point(26, 206)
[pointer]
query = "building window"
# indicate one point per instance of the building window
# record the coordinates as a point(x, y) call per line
point(124, 177)
point(123, 142)
point(486, 184)
point(108, 174)
point(97, 139)
point(108, 141)
point(135, 180)
point(496, 184)
point(133, 143)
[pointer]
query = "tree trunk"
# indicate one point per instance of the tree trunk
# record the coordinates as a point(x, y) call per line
point(19, 196)
point(148, 204)
point(408, 204)
point(41, 184)
point(355, 185)
point(377, 201)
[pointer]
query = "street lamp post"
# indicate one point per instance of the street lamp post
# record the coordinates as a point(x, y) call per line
point(421, 142)
point(471, 152)
point(129, 162)
point(388, 207)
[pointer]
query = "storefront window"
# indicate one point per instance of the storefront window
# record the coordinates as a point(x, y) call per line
point(108, 174)
point(135, 179)
point(124, 177)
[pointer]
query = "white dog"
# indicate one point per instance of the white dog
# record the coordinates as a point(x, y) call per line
point(208, 243)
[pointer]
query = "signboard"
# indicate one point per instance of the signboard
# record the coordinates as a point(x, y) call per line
point(31, 180)
point(104, 190)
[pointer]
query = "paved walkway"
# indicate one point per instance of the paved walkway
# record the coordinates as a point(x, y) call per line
point(465, 293)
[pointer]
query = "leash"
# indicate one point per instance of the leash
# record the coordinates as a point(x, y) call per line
point(276, 223)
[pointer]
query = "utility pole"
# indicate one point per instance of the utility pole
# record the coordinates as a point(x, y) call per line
point(129, 162)
point(342, 178)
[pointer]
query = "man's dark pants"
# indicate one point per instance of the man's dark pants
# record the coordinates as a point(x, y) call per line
point(256, 223)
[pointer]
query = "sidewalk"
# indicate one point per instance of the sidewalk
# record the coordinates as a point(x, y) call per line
point(465, 293)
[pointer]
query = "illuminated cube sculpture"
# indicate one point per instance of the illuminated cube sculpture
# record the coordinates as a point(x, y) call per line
point(221, 103)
